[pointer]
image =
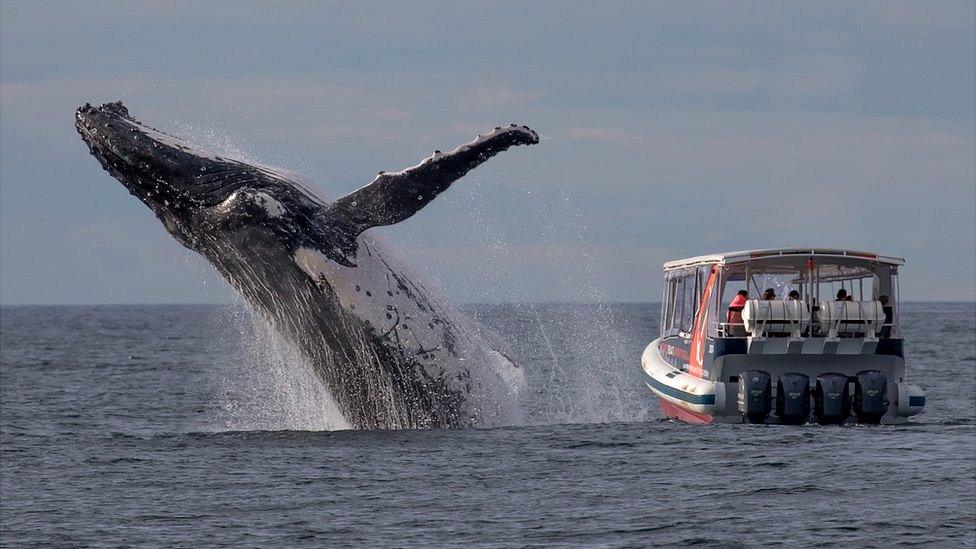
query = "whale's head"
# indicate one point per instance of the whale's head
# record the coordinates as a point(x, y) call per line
point(191, 190)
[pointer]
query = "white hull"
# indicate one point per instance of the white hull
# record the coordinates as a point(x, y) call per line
point(713, 400)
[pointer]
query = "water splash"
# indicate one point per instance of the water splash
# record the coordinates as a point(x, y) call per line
point(272, 388)
point(592, 375)
point(595, 386)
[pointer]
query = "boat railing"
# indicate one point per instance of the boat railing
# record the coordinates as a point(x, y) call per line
point(737, 330)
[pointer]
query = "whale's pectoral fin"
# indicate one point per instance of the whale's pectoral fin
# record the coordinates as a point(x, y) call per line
point(393, 197)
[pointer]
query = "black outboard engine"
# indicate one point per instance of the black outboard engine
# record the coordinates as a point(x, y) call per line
point(870, 396)
point(793, 399)
point(755, 395)
point(832, 399)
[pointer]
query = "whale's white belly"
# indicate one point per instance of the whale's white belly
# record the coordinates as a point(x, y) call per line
point(401, 310)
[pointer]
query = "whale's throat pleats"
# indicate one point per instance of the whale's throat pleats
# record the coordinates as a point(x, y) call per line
point(379, 373)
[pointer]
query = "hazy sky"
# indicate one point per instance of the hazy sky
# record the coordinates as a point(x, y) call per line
point(669, 130)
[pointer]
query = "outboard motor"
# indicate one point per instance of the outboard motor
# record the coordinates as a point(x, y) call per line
point(870, 396)
point(832, 399)
point(755, 395)
point(793, 399)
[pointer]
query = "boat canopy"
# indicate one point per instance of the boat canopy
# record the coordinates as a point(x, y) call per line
point(798, 254)
point(813, 276)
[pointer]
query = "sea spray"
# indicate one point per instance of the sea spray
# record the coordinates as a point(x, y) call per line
point(585, 378)
point(582, 381)
point(268, 385)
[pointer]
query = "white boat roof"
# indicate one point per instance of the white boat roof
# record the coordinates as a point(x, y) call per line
point(749, 255)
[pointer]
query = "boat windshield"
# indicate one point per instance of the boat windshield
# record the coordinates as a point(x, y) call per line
point(861, 286)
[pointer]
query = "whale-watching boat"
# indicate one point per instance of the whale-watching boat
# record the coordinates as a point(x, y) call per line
point(785, 335)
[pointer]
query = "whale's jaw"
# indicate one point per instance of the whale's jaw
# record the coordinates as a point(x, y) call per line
point(170, 176)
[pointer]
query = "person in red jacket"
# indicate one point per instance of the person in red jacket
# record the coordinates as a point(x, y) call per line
point(735, 313)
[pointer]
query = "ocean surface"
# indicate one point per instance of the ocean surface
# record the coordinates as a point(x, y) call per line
point(194, 426)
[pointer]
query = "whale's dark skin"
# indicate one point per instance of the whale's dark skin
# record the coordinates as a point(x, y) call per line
point(391, 355)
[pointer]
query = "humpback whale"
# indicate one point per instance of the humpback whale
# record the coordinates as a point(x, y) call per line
point(390, 352)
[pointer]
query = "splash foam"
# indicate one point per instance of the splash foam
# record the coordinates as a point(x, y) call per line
point(271, 387)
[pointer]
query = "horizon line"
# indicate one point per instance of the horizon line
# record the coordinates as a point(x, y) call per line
point(231, 303)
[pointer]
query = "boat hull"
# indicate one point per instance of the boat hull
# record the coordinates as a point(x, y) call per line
point(675, 411)
point(691, 399)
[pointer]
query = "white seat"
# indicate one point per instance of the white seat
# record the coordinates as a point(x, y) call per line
point(762, 318)
point(851, 318)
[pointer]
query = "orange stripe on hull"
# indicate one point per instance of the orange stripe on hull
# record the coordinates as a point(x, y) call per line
point(698, 337)
point(677, 412)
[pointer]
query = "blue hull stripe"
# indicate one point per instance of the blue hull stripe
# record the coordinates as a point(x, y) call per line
point(916, 401)
point(679, 394)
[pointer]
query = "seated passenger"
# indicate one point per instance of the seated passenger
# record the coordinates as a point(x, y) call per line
point(769, 294)
point(735, 314)
point(842, 295)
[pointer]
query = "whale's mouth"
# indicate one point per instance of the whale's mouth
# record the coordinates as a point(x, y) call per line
point(165, 172)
